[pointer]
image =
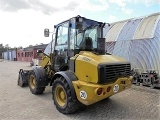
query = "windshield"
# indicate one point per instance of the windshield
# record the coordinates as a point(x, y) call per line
point(92, 34)
point(81, 31)
point(87, 38)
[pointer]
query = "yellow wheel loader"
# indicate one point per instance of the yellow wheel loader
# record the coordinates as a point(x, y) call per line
point(77, 67)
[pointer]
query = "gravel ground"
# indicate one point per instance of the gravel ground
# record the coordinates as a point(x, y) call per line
point(16, 103)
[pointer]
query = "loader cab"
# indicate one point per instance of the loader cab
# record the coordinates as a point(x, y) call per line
point(75, 35)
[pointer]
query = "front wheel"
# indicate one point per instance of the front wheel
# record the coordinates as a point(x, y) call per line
point(62, 97)
point(32, 83)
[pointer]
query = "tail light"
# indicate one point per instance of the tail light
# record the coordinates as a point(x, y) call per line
point(109, 89)
point(99, 91)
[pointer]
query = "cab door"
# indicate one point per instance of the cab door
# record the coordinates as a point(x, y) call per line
point(61, 46)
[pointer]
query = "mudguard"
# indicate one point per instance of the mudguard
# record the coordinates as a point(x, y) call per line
point(41, 79)
point(69, 76)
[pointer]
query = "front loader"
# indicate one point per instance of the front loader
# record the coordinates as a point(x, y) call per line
point(78, 68)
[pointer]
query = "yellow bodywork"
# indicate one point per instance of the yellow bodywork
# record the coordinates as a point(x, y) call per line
point(87, 62)
point(46, 63)
point(87, 73)
point(45, 60)
point(90, 90)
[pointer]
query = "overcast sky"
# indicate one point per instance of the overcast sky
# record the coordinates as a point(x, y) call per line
point(22, 21)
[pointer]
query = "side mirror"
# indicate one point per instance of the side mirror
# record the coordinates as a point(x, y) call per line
point(39, 51)
point(101, 46)
point(46, 32)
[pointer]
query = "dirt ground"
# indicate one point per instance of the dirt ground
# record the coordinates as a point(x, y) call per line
point(16, 103)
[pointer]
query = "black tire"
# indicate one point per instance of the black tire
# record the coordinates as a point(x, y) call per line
point(32, 84)
point(66, 105)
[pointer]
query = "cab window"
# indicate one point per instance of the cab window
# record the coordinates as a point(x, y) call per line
point(62, 35)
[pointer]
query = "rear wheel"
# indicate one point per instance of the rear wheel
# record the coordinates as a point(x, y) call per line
point(62, 97)
point(32, 84)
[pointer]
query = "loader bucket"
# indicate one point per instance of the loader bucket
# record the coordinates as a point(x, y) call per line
point(23, 77)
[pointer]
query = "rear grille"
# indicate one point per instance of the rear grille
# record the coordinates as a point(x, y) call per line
point(109, 73)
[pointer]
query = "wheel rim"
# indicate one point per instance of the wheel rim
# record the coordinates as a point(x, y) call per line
point(60, 95)
point(32, 81)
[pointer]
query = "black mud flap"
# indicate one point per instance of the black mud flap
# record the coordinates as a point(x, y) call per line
point(23, 77)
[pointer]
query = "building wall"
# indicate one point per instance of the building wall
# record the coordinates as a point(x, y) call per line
point(19, 55)
point(5, 55)
point(138, 42)
point(14, 55)
point(9, 55)
point(26, 56)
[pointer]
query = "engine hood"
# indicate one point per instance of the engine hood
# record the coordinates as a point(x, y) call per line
point(100, 59)
point(88, 63)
